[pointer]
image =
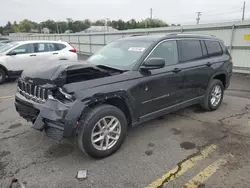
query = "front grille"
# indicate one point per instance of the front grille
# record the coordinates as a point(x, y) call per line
point(32, 91)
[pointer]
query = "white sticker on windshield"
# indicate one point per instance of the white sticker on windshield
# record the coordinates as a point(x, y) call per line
point(136, 49)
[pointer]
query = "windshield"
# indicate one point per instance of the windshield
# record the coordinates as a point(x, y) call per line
point(120, 54)
point(7, 46)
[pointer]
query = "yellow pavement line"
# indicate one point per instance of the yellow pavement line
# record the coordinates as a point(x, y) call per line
point(207, 172)
point(7, 97)
point(182, 168)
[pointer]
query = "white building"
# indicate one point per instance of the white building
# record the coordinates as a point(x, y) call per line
point(96, 29)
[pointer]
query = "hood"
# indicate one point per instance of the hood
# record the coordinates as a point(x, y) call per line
point(58, 73)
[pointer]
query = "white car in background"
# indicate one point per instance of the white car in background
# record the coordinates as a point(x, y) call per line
point(17, 56)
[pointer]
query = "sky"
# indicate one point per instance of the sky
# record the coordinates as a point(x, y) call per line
point(171, 11)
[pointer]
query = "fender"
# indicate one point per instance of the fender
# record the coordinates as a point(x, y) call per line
point(219, 73)
point(101, 98)
point(4, 68)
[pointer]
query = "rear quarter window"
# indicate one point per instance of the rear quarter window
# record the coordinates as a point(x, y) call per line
point(213, 48)
point(60, 46)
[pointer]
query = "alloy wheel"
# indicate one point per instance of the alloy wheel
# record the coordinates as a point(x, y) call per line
point(216, 95)
point(106, 133)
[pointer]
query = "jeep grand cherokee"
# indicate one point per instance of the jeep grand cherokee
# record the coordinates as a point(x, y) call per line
point(129, 81)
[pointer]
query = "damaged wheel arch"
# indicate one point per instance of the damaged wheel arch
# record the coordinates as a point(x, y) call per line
point(118, 100)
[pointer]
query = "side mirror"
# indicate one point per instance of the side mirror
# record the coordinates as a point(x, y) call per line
point(12, 53)
point(153, 63)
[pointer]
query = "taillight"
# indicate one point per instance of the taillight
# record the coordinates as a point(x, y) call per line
point(72, 50)
point(231, 60)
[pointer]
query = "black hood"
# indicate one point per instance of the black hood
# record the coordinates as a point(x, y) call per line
point(58, 73)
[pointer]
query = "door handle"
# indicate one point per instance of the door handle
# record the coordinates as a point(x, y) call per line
point(176, 70)
point(32, 55)
point(55, 53)
point(208, 64)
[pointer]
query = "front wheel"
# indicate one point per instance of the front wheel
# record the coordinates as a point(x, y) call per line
point(2, 76)
point(102, 131)
point(213, 96)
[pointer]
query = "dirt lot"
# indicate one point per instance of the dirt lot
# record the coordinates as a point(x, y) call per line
point(190, 148)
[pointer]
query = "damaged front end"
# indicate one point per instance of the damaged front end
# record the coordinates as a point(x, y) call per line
point(42, 99)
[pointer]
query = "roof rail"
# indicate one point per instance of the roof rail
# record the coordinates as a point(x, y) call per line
point(191, 34)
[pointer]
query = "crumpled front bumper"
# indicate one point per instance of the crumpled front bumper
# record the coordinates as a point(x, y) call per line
point(56, 118)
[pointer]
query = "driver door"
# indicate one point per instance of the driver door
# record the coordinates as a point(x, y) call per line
point(23, 58)
point(161, 88)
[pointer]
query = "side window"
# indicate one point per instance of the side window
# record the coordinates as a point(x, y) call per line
point(190, 50)
point(40, 47)
point(24, 49)
point(213, 48)
point(45, 47)
point(168, 51)
point(51, 47)
point(60, 46)
point(204, 49)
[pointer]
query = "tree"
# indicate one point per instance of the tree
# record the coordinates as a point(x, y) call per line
point(69, 20)
point(87, 22)
point(50, 24)
point(1, 30)
point(131, 24)
point(8, 28)
point(62, 26)
point(25, 26)
point(99, 23)
point(78, 26)
point(15, 27)
point(121, 25)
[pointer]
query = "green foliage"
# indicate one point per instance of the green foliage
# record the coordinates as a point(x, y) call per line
point(50, 24)
point(99, 23)
point(25, 26)
point(77, 25)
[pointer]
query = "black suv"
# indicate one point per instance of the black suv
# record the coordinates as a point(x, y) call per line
point(129, 81)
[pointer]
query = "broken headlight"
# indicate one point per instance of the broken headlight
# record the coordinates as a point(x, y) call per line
point(66, 95)
point(62, 96)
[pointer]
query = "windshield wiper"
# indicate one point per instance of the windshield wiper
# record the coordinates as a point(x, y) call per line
point(110, 67)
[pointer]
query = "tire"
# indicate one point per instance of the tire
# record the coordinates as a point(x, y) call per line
point(89, 125)
point(2, 76)
point(207, 103)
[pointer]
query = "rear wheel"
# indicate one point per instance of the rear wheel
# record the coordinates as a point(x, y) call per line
point(103, 131)
point(2, 76)
point(213, 96)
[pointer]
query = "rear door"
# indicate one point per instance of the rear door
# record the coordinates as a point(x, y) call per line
point(46, 51)
point(24, 58)
point(196, 68)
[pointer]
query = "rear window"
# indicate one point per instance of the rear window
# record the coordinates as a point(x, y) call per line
point(213, 48)
point(190, 50)
point(60, 46)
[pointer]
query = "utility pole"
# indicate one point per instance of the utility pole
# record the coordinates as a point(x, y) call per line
point(198, 17)
point(243, 12)
point(57, 28)
point(106, 24)
point(151, 13)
